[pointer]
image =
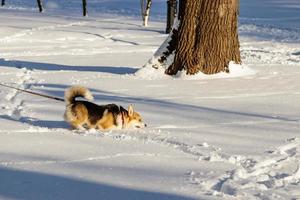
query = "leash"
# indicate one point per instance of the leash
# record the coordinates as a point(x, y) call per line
point(34, 93)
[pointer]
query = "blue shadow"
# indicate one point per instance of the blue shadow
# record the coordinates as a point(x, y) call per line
point(58, 67)
point(26, 185)
point(101, 95)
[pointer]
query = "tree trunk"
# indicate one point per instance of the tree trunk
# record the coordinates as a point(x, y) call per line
point(145, 11)
point(2, 2)
point(40, 5)
point(171, 14)
point(84, 10)
point(206, 39)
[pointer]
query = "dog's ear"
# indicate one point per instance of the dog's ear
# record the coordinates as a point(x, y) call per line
point(130, 110)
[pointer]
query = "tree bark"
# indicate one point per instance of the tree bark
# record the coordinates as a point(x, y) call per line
point(145, 11)
point(206, 39)
point(40, 5)
point(84, 9)
point(2, 2)
point(171, 14)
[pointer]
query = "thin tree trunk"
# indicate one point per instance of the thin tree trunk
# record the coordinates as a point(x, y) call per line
point(84, 9)
point(207, 37)
point(2, 2)
point(147, 12)
point(40, 5)
point(171, 14)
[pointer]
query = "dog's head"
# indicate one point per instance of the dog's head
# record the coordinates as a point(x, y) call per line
point(132, 119)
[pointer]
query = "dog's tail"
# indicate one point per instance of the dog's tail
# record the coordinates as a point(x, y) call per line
point(77, 91)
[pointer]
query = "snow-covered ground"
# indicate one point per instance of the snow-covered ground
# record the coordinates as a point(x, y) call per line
point(221, 137)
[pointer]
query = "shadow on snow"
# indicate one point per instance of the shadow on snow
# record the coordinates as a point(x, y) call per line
point(58, 67)
point(38, 122)
point(201, 114)
point(25, 185)
point(183, 110)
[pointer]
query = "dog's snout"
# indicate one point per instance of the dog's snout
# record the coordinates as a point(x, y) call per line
point(145, 125)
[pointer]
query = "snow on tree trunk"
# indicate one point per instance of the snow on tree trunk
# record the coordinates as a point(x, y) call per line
point(206, 40)
point(145, 11)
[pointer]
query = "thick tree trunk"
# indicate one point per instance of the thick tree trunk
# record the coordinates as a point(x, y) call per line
point(207, 37)
point(84, 9)
point(2, 2)
point(40, 5)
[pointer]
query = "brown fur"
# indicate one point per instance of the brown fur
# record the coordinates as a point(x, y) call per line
point(87, 115)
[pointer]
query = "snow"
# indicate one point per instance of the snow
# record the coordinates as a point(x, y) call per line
point(226, 136)
point(152, 73)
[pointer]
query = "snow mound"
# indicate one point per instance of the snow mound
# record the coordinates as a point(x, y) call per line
point(260, 178)
point(267, 32)
point(236, 70)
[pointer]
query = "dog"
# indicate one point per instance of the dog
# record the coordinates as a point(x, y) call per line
point(83, 114)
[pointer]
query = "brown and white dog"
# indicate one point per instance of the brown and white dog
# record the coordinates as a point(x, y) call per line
point(86, 115)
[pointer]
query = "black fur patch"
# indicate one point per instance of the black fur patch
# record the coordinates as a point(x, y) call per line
point(95, 112)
